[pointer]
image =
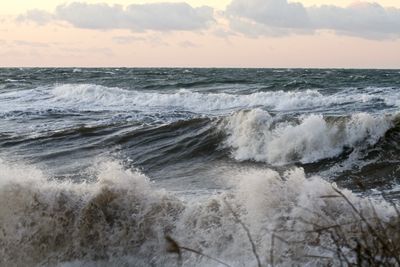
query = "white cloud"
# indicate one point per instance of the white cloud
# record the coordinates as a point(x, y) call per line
point(154, 16)
point(280, 17)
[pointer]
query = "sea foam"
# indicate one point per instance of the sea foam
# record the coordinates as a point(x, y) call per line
point(101, 96)
point(122, 218)
point(96, 97)
point(256, 135)
point(92, 97)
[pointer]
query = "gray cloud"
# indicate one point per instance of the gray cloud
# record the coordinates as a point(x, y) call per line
point(280, 17)
point(39, 16)
point(275, 13)
point(154, 16)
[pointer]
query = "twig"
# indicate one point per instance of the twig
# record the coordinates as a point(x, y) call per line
point(204, 255)
point(246, 229)
point(272, 249)
point(370, 228)
point(174, 247)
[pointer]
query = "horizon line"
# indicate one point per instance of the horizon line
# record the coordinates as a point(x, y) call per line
point(192, 67)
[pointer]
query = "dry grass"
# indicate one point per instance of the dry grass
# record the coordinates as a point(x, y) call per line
point(363, 241)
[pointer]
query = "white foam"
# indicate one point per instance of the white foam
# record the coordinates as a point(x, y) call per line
point(85, 94)
point(255, 135)
point(122, 219)
point(92, 97)
point(96, 97)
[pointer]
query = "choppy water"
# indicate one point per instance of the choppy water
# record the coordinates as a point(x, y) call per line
point(98, 165)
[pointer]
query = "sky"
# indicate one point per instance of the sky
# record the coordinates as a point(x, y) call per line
point(200, 33)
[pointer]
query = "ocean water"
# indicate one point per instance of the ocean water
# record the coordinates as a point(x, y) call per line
point(97, 166)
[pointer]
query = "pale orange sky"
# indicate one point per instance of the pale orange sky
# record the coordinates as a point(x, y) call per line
point(59, 43)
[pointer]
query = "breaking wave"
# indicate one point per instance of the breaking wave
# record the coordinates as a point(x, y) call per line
point(194, 101)
point(256, 135)
point(91, 97)
point(122, 218)
point(83, 94)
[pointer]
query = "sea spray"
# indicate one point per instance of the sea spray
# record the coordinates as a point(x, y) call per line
point(256, 135)
point(123, 218)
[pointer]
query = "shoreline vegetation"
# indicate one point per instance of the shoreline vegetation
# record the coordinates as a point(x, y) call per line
point(364, 241)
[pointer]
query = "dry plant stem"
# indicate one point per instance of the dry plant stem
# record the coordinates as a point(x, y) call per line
point(206, 256)
point(383, 251)
point(174, 247)
point(246, 229)
point(272, 249)
point(370, 228)
point(382, 228)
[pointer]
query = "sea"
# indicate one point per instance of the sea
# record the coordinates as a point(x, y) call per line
point(193, 167)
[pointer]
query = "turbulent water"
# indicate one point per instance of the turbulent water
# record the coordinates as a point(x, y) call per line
point(97, 166)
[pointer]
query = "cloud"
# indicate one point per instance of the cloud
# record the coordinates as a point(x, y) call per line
point(127, 39)
point(274, 13)
point(363, 19)
point(280, 17)
point(223, 33)
point(39, 16)
point(154, 16)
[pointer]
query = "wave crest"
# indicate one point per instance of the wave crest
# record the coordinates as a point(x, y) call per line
point(256, 135)
point(97, 97)
point(192, 101)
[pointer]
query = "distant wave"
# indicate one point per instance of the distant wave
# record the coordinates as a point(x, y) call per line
point(88, 94)
point(91, 97)
point(185, 99)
